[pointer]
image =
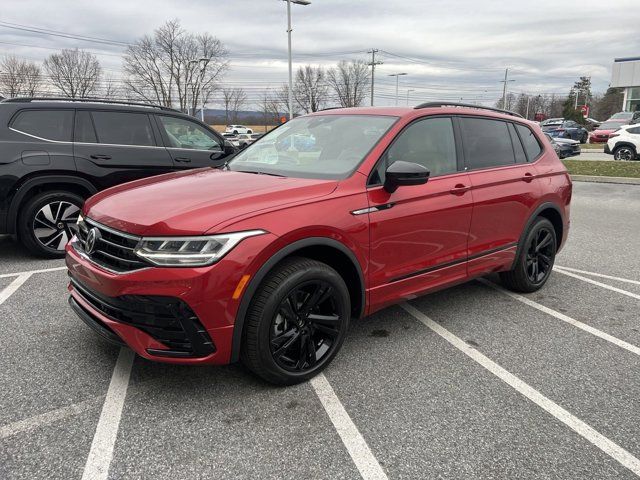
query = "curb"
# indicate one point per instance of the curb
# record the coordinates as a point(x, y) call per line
point(603, 179)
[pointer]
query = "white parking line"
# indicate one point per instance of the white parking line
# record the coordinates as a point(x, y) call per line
point(594, 274)
point(356, 445)
point(31, 272)
point(599, 284)
point(13, 287)
point(47, 418)
point(581, 428)
point(101, 453)
point(565, 318)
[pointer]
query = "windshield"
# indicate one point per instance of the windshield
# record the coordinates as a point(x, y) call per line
point(552, 121)
point(622, 116)
point(609, 126)
point(320, 146)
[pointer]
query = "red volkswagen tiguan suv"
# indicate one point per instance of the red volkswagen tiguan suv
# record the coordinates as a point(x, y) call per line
point(330, 217)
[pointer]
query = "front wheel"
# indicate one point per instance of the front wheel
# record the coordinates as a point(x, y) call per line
point(535, 261)
point(584, 138)
point(296, 322)
point(624, 153)
point(45, 222)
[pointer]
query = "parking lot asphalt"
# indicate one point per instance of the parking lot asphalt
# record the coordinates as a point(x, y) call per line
point(588, 154)
point(466, 383)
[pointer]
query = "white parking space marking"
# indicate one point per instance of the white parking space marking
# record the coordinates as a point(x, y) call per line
point(594, 274)
point(47, 418)
point(31, 272)
point(587, 432)
point(599, 284)
point(356, 445)
point(101, 453)
point(565, 318)
point(13, 287)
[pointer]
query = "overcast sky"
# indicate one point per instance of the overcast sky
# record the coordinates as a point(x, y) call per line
point(454, 48)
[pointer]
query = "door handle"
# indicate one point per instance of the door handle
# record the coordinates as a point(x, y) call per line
point(459, 189)
point(182, 159)
point(528, 177)
point(100, 157)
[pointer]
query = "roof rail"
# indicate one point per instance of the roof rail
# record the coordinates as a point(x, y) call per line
point(84, 99)
point(466, 105)
point(330, 108)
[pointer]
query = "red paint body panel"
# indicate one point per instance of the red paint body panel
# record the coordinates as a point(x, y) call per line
point(430, 237)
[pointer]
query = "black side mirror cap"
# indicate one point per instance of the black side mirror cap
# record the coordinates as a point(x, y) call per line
point(229, 149)
point(401, 173)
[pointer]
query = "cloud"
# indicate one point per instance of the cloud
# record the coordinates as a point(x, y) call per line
point(450, 49)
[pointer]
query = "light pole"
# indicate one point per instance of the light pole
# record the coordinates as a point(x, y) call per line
point(397, 75)
point(205, 62)
point(408, 92)
point(289, 2)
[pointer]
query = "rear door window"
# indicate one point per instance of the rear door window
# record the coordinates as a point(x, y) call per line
point(46, 124)
point(487, 143)
point(530, 142)
point(123, 128)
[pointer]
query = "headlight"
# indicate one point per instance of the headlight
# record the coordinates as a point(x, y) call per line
point(190, 251)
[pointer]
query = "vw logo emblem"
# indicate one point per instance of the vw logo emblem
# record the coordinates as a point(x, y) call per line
point(90, 242)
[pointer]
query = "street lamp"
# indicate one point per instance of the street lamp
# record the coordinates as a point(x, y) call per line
point(408, 92)
point(205, 62)
point(397, 75)
point(289, 2)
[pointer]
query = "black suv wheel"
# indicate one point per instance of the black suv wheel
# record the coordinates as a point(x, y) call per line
point(624, 153)
point(297, 322)
point(46, 220)
point(535, 260)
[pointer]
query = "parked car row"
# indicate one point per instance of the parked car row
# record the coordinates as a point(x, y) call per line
point(241, 140)
point(564, 147)
point(562, 128)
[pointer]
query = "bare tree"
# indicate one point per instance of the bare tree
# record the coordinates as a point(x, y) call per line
point(19, 77)
point(110, 89)
point(350, 82)
point(75, 73)
point(270, 109)
point(234, 99)
point(310, 89)
point(174, 67)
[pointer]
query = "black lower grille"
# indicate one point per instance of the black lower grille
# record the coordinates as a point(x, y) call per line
point(167, 319)
point(112, 250)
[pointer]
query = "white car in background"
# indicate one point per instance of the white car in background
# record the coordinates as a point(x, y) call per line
point(624, 143)
point(236, 129)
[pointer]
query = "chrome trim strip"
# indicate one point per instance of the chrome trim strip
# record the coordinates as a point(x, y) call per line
point(377, 208)
point(83, 143)
point(75, 244)
point(111, 230)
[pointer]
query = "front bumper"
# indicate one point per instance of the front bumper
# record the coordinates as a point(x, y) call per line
point(607, 150)
point(207, 294)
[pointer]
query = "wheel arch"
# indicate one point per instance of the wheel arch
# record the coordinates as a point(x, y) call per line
point(551, 212)
point(323, 249)
point(624, 144)
point(41, 184)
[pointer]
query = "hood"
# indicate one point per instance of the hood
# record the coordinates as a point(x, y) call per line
point(566, 141)
point(194, 202)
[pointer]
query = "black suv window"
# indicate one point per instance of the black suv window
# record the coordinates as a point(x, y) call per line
point(47, 124)
point(183, 133)
point(486, 143)
point(530, 141)
point(122, 128)
point(429, 142)
point(84, 131)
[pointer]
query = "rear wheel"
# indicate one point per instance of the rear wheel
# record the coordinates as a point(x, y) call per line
point(535, 260)
point(45, 222)
point(624, 153)
point(297, 322)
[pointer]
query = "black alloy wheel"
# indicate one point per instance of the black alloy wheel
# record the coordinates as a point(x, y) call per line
point(305, 327)
point(296, 322)
point(536, 256)
point(624, 153)
point(539, 256)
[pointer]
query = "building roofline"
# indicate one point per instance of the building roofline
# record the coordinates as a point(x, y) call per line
point(626, 59)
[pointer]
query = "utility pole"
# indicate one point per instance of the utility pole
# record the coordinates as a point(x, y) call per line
point(527, 114)
point(373, 64)
point(504, 88)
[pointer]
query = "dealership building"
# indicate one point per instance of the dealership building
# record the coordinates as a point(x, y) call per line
point(626, 75)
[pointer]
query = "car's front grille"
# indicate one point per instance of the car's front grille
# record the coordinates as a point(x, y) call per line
point(113, 250)
point(168, 320)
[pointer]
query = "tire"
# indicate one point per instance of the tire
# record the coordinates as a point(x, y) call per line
point(526, 275)
point(44, 223)
point(624, 153)
point(249, 131)
point(584, 138)
point(235, 132)
point(274, 346)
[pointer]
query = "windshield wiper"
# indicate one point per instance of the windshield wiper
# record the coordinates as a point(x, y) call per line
point(259, 173)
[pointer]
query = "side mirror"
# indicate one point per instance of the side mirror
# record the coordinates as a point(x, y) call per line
point(229, 149)
point(401, 173)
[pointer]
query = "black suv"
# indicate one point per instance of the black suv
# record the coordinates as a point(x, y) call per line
point(54, 153)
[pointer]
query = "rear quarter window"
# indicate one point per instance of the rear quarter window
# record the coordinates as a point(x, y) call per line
point(530, 142)
point(47, 124)
point(123, 128)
